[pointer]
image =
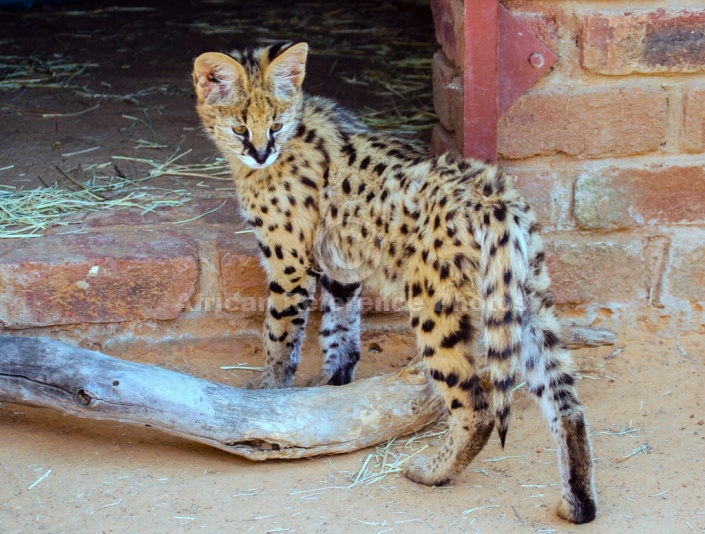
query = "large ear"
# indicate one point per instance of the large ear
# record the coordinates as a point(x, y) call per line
point(286, 72)
point(218, 78)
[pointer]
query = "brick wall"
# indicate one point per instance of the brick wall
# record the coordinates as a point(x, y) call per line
point(609, 148)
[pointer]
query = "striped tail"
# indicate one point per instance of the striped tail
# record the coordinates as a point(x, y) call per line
point(504, 270)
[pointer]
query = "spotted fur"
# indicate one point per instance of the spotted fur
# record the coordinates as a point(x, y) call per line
point(335, 204)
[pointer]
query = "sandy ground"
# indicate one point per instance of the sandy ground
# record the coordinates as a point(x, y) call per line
point(645, 404)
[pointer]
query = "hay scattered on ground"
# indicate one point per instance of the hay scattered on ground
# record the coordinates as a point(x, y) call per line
point(28, 213)
point(387, 459)
point(34, 72)
point(17, 72)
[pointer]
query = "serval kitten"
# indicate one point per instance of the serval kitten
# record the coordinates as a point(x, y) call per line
point(333, 203)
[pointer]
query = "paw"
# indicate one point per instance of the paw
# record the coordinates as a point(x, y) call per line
point(251, 384)
point(272, 381)
point(420, 469)
point(577, 510)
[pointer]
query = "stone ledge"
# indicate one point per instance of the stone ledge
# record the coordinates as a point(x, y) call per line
point(96, 278)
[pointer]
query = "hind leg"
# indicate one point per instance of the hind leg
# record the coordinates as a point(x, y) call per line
point(445, 338)
point(550, 377)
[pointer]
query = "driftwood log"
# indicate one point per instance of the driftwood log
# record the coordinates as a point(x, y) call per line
point(255, 424)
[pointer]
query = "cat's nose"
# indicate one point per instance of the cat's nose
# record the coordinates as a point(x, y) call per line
point(261, 156)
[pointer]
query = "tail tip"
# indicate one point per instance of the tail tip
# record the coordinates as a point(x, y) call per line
point(503, 423)
point(502, 430)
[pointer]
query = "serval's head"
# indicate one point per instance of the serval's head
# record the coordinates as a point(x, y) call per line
point(250, 101)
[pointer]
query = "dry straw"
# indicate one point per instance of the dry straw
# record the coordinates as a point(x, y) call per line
point(28, 213)
point(21, 71)
point(387, 459)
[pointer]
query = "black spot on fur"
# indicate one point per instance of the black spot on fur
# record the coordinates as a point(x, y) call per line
point(380, 168)
point(291, 311)
point(428, 325)
point(550, 339)
point(507, 277)
point(305, 180)
point(473, 386)
point(506, 319)
point(504, 385)
point(437, 375)
point(452, 379)
point(276, 288)
point(500, 355)
point(340, 291)
point(463, 334)
point(298, 290)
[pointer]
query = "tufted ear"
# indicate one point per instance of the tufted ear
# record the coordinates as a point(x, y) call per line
point(286, 72)
point(219, 79)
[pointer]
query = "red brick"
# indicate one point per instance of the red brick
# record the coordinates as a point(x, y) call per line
point(449, 22)
point(602, 268)
point(588, 122)
point(243, 280)
point(624, 197)
point(548, 193)
point(447, 93)
point(685, 278)
point(444, 141)
point(544, 27)
point(96, 278)
point(644, 42)
point(694, 119)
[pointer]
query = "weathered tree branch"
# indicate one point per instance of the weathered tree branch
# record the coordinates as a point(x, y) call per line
point(256, 424)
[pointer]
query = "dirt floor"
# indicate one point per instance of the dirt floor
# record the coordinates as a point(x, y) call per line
point(644, 400)
point(130, 95)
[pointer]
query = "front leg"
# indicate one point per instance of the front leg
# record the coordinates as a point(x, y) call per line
point(291, 288)
point(340, 330)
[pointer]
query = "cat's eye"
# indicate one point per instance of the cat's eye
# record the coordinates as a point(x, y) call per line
point(240, 129)
point(275, 127)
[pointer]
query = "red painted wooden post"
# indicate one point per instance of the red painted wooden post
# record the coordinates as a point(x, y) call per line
point(480, 110)
point(503, 59)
